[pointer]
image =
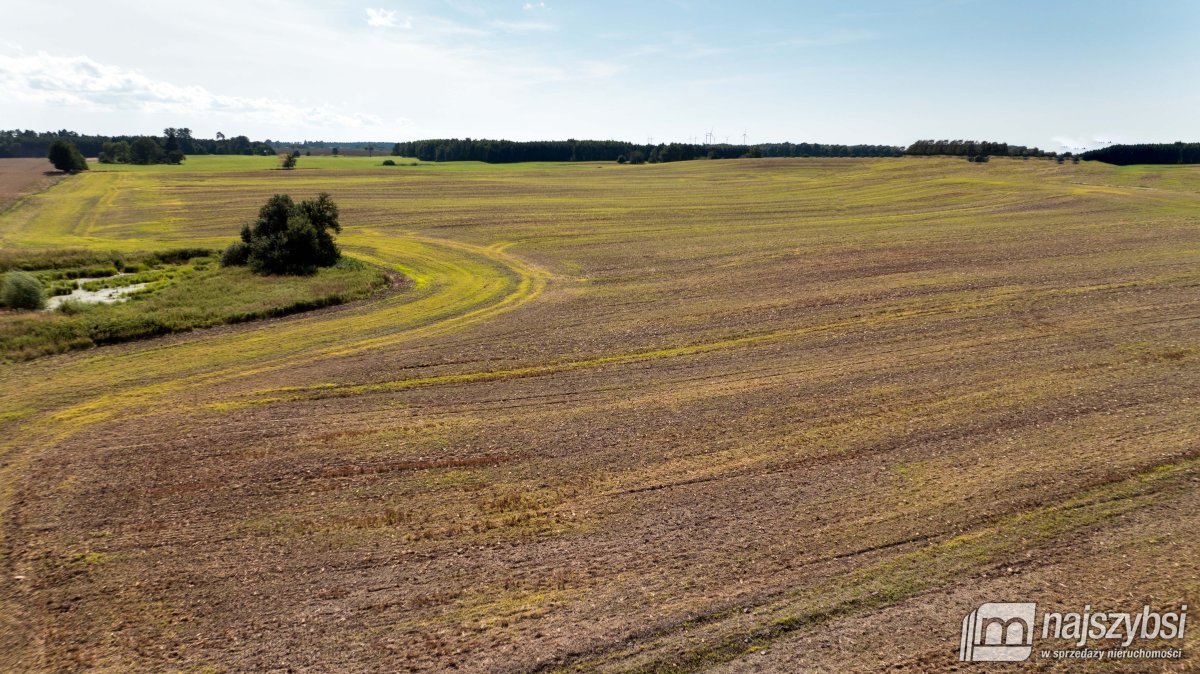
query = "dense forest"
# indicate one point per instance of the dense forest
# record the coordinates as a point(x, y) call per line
point(1147, 153)
point(26, 143)
point(507, 151)
point(175, 144)
point(971, 148)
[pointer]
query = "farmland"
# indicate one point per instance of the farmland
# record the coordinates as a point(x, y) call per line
point(749, 415)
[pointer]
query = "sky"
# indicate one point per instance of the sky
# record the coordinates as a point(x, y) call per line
point(1058, 74)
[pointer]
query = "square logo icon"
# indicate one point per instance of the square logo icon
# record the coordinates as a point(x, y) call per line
point(998, 632)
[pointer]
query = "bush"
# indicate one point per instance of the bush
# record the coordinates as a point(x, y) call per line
point(288, 161)
point(389, 162)
point(621, 159)
point(22, 290)
point(291, 238)
point(236, 255)
point(72, 307)
point(66, 157)
point(179, 255)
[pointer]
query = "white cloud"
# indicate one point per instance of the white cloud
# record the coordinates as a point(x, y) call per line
point(524, 26)
point(529, 6)
point(386, 18)
point(81, 82)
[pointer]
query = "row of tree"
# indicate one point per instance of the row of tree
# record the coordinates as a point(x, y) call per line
point(1147, 153)
point(175, 144)
point(972, 148)
point(507, 151)
point(28, 143)
point(144, 150)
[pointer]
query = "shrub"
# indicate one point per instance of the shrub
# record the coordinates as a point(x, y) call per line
point(66, 157)
point(291, 238)
point(288, 161)
point(389, 162)
point(179, 255)
point(236, 255)
point(621, 159)
point(22, 290)
point(72, 307)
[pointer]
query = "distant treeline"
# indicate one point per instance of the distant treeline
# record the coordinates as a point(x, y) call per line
point(507, 151)
point(26, 143)
point(1147, 153)
point(330, 144)
point(972, 148)
point(175, 144)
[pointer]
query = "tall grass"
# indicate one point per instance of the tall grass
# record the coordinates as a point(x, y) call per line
point(179, 298)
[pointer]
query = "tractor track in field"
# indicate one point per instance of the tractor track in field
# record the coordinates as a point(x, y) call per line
point(26, 443)
point(617, 424)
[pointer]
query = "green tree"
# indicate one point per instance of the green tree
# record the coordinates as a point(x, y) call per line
point(287, 161)
point(290, 238)
point(116, 152)
point(146, 150)
point(170, 139)
point(66, 157)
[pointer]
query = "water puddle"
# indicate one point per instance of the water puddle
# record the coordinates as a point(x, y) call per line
point(102, 296)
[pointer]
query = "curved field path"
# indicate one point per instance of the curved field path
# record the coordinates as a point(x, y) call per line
point(759, 415)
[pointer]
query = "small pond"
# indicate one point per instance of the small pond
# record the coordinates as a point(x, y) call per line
point(102, 296)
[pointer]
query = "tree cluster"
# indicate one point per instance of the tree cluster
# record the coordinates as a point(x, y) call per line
point(972, 148)
point(27, 143)
point(1147, 153)
point(507, 151)
point(288, 238)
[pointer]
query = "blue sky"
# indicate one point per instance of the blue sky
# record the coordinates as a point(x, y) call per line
point(1052, 74)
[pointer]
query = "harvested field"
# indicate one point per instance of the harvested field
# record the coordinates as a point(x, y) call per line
point(752, 415)
point(19, 177)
